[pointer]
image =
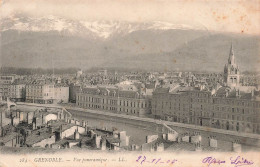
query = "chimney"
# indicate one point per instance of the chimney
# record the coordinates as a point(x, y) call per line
point(27, 117)
point(98, 139)
point(1, 132)
point(17, 140)
point(86, 128)
point(103, 144)
point(61, 136)
point(237, 93)
point(65, 117)
point(50, 129)
point(253, 93)
point(76, 134)
point(34, 125)
point(1, 119)
point(12, 119)
point(227, 93)
point(42, 118)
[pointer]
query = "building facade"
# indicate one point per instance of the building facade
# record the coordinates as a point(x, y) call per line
point(235, 110)
point(113, 99)
point(5, 82)
point(17, 90)
point(40, 91)
point(46, 92)
point(61, 93)
point(73, 89)
point(229, 107)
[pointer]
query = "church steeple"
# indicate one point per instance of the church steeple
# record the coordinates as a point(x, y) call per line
point(231, 59)
point(231, 70)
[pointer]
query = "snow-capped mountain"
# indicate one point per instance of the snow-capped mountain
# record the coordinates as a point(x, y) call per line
point(35, 42)
point(102, 29)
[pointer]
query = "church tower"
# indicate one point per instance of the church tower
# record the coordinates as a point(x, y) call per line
point(231, 71)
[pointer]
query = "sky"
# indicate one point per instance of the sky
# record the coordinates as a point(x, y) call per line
point(236, 16)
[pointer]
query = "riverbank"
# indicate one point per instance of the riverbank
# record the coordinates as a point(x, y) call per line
point(151, 126)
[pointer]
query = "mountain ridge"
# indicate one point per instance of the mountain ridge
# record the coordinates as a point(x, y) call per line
point(148, 48)
point(102, 29)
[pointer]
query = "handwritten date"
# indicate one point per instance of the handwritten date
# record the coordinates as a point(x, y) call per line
point(144, 159)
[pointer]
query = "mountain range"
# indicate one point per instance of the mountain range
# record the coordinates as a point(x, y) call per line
point(53, 41)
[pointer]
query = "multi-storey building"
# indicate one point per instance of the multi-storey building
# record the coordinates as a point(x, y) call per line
point(5, 81)
point(61, 93)
point(113, 99)
point(40, 91)
point(169, 105)
point(236, 110)
point(73, 89)
point(17, 90)
point(45, 91)
point(229, 107)
point(200, 100)
point(226, 109)
point(182, 104)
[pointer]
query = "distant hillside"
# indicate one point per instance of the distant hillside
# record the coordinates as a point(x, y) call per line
point(148, 46)
point(206, 53)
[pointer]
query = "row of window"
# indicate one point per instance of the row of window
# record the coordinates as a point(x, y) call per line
point(113, 102)
point(235, 102)
point(199, 94)
point(108, 108)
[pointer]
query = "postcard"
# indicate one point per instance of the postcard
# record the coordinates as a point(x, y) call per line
point(130, 83)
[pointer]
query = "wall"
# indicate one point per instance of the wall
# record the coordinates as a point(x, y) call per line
point(43, 143)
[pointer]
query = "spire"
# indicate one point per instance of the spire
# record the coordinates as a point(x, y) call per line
point(225, 68)
point(231, 59)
